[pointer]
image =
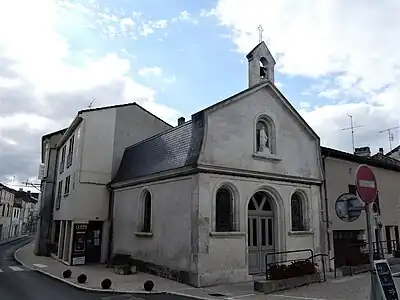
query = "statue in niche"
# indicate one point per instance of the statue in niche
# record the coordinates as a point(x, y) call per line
point(264, 141)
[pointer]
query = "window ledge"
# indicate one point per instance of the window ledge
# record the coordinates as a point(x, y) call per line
point(230, 234)
point(302, 232)
point(262, 156)
point(144, 234)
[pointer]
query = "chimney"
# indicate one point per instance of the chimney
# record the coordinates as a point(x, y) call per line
point(381, 151)
point(363, 151)
point(181, 121)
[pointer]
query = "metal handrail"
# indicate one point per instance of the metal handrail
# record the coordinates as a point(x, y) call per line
point(267, 265)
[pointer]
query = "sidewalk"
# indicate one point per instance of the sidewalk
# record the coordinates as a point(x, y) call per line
point(351, 287)
point(128, 283)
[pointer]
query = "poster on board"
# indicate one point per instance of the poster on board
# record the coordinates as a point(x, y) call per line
point(79, 244)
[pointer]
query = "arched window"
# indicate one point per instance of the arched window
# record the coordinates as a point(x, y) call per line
point(264, 68)
point(265, 136)
point(224, 215)
point(146, 212)
point(298, 212)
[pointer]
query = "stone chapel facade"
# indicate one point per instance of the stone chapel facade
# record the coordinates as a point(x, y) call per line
point(205, 201)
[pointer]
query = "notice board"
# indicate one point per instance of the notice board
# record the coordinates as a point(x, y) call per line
point(385, 279)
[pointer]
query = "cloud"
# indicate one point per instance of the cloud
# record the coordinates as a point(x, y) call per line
point(150, 71)
point(348, 42)
point(42, 86)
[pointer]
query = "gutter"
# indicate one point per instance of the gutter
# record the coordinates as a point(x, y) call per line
point(325, 196)
point(110, 219)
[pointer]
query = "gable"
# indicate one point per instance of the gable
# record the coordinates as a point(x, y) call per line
point(233, 136)
point(276, 94)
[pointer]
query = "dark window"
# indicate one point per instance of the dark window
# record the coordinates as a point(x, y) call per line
point(67, 182)
point(62, 161)
point(71, 144)
point(224, 211)
point(297, 213)
point(352, 189)
point(147, 213)
point(4, 208)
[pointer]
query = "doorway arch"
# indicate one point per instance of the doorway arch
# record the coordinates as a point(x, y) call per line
point(260, 230)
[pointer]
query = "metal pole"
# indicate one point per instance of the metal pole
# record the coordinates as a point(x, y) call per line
point(371, 251)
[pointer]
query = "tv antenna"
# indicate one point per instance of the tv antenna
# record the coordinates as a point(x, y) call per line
point(352, 127)
point(391, 135)
point(91, 102)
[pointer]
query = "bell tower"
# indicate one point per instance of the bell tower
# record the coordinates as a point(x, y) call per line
point(261, 64)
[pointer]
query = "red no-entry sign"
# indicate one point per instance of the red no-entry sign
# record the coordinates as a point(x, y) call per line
point(366, 184)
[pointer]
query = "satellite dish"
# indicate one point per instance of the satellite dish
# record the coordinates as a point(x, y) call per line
point(348, 207)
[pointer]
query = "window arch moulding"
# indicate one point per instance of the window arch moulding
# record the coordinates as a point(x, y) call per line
point(145, 214)
point(225, 220)
point(299, 209)
point(265, 141)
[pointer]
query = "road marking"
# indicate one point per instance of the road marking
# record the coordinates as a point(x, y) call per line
point(297, 297)
point(238, 297)
point(15, 268)
point(40, 265)
point(1, 270)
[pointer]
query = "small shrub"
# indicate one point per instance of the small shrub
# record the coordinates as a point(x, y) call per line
point(148, 285)
point(121, 259)
point(67, 273)
point(295, 269)
point(82, 278)
point(106, 284)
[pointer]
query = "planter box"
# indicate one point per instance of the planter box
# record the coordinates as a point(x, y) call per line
point(353, 270)
point(124, 270)
point(270, 286)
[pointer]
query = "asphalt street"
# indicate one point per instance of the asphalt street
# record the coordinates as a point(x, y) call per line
point(18, 282)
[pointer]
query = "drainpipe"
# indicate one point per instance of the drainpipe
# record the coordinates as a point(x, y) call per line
point(326, 202)
point(110, 219)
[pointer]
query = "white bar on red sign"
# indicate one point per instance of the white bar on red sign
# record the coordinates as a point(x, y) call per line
point(367, 184)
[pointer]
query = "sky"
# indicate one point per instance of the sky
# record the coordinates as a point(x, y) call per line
point(334, 58)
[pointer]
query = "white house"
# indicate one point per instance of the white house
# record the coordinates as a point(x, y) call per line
point(6, 210)
point(88, 155)
point(346, 231)
point(204, 202)
point(47, 176)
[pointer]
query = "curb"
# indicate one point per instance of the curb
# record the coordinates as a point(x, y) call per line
point(99, 290)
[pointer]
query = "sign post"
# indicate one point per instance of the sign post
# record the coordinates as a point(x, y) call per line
point(367, 190)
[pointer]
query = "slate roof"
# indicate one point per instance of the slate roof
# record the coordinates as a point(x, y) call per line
point(174, 148)
point(371, 161)
point(393, 150)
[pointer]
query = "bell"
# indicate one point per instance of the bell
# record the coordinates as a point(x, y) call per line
point(263, 72)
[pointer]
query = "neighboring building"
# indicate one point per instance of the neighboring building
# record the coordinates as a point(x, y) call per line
point(16, 223)
point(394, 153)
point(206, 201)
point(345, 238)
point(88, 156)
point(47, 175)
point(6, 211)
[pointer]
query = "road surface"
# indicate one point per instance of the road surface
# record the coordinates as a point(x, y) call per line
point(18, 282)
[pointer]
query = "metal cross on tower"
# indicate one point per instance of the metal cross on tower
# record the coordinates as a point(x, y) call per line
point(260, 34)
